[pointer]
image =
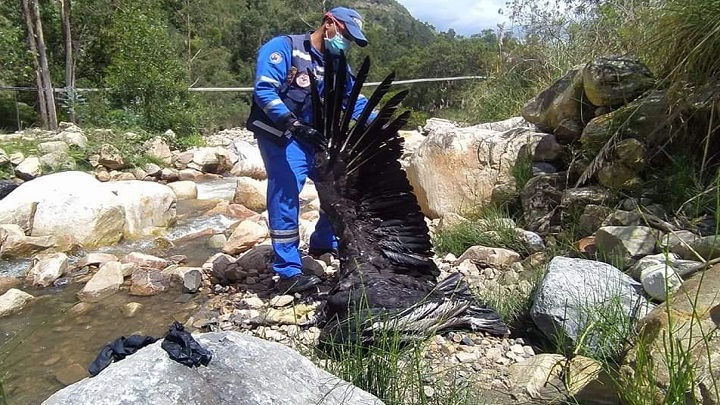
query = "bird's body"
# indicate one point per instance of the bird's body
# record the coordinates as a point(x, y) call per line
point(387, 278)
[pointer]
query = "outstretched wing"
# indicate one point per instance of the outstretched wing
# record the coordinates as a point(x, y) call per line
point(363, 188)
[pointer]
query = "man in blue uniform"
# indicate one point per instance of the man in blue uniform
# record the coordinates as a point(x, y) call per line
point(280, 114)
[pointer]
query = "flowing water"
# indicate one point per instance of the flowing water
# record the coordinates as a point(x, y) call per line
point(52, 342)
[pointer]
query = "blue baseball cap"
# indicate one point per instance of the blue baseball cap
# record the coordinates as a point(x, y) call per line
point(353, 23)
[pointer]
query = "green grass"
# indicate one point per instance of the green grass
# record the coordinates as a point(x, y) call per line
point(488, 226)
point(392, 368)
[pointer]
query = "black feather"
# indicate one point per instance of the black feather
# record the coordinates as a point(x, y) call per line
point(386, 266)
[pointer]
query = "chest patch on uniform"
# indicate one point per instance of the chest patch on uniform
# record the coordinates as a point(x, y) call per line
point(276, 58)
point(302, 80)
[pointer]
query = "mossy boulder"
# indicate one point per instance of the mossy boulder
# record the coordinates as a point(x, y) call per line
point(645, 119)
point(561, 109)
point(614, 80)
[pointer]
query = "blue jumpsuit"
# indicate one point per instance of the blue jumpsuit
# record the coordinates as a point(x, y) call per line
point(282, 93)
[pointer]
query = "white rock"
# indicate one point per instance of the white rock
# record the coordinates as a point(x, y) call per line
point(496, 257)
point(147, 206)
point(104, 283)
point(659, 280)
point(250, 163)
point(72, 204)
point(29, 168)
point(52, 146)
point(248, 234)
point(47, 268)
point(251, 193)
point(184, 190)
point(13, 300)
point(455, 168)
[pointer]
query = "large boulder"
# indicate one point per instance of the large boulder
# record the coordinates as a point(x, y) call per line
point(68, 204)
point(561, 109)
point(148, 206)
point(576, 293)
point(457, 168)
point(244, 370)
point(615, 80)
point(679, 336)
point(645, 119)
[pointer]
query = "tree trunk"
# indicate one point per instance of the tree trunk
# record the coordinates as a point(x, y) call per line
point(30, 38)
point(65, 9)
point(36, 45)
point(44, 69)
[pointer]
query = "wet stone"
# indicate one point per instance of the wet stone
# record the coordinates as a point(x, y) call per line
point(70, 374)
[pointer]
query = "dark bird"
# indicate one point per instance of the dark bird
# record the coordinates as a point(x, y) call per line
point(387, 278)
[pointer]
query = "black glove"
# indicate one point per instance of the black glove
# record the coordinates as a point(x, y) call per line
point(307, 135)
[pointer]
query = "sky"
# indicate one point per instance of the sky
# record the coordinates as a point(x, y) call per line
point(466, 17)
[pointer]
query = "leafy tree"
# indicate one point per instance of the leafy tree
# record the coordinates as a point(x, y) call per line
point(144, 74)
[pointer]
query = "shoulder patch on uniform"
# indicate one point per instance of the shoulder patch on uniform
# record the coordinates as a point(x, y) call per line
point(276, 58)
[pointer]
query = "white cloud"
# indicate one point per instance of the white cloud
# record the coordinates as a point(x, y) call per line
point(466, 17)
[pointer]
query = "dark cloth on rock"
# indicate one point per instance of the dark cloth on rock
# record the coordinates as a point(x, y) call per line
point(183, 348)
point(178, 343)
point(118, 350)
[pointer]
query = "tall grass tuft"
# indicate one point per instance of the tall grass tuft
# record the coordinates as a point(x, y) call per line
point(393, 367)
point(685, 41)
point(489, 226)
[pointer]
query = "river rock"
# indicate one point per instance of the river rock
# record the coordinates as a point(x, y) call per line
point(110, 157)
point(14, 244)
point(95, 259)
point(74, 136)
point(184, 190)
point(471, 159)
point(244, 370)
point(47, 268)
point(493, 257)
point(4, 158)
point(158, 149)
point(29, 168)
point(688, 320)
point(251, 193)
point(259, 257)
point(52, 146)
point(645, 119)
point(213, 160)
point(147, 206)
point(660, 281)
point(146, 260)
point(573, 289)
point(13, 300)
point(72, 204)
point(250, 163)
point(57, 161)
point(104, 283)
point(626, 243)
point(191, 278)
point(247, 234)
point(147, 281)
point(16, 158)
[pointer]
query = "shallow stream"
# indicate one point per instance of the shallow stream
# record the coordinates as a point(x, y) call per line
point(51, 344)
